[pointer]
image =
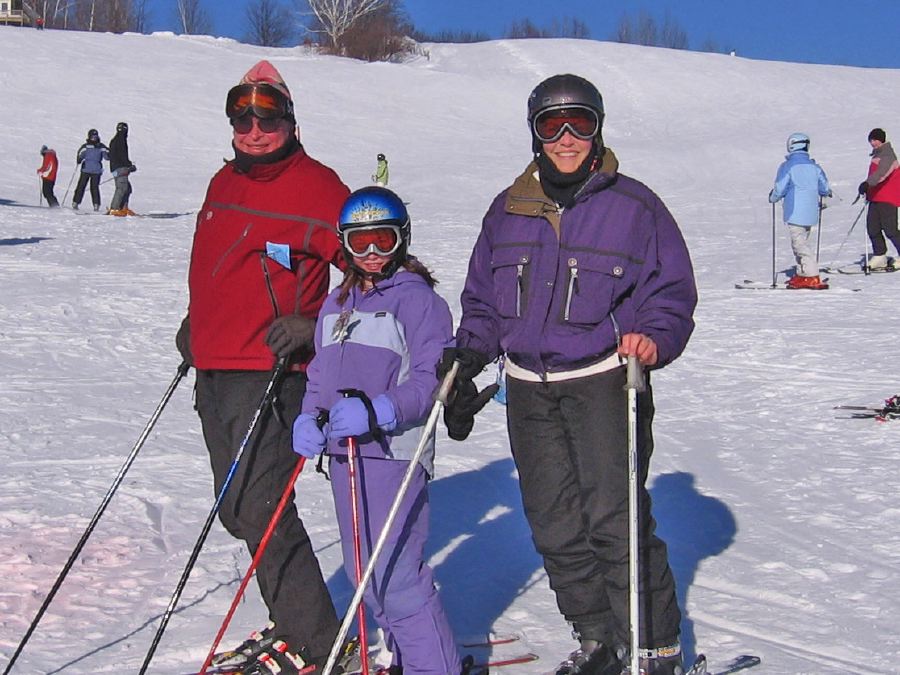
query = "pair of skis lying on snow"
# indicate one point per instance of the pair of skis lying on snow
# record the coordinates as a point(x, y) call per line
point(484, 666)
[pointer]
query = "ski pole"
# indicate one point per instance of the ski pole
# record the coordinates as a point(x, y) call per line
point(352, 456)
point(182, 371)
point(41, 191)
point(267, 397)
point(440, 400)
point(819, 233)
point(774, 275)
point(866, 267)
point(847, 237)
point(634, 384)
point(263, 543)
point(66, 196)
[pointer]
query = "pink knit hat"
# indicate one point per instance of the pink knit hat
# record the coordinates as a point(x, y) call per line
point(266, 72)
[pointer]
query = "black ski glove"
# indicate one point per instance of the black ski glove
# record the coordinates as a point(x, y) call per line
point(471, 363)
point(183, 341)
point(465, 402)
point(289, 333)
point(863, 187)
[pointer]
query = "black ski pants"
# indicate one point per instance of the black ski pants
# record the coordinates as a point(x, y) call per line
point(288, 574)
point(881, 220)
point(47, 190)
point(570, 443)
point(83, 179)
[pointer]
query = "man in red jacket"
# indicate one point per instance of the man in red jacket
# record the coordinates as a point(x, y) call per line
point(47, 172)
point(263, 243)
point(882, 190)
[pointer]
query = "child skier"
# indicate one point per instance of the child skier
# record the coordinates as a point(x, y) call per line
point(382, 332)
point(802, 184)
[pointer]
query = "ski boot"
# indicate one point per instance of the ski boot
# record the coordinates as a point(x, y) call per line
point(591, 658)
point(278, 658)
point(659, 661)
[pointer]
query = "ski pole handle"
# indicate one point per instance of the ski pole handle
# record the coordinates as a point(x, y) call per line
point(634, 375)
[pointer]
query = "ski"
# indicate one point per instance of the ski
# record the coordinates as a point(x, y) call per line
point(484, 667)
point(739, 663)
point(749, 284)
point(889, 411)
point(857, 268)
point(491, 640)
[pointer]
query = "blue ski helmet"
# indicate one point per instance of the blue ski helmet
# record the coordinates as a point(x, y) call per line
point(370, 208)
point(798, 141)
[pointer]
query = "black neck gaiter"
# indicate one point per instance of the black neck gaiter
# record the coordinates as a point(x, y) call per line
point(244, 162)
point(562, 187)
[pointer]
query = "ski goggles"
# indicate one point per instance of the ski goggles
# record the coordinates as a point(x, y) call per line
point(378, 239)
point(548, 126)
point(244, 125)
point(260, 100)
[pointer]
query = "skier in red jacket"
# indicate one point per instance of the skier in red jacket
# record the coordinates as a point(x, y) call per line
point(47, 172)
point(882, 190)
point(264, 240)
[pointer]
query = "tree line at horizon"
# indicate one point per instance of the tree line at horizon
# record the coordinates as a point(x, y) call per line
point(370, 30)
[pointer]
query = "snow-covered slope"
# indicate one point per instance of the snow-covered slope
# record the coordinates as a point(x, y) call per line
point(781, 518)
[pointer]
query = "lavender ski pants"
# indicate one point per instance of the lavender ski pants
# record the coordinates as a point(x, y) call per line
point(401, 592)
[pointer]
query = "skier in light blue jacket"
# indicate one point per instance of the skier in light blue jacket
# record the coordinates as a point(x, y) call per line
point(801, 183)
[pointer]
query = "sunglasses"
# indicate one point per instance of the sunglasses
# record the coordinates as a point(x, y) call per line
point(267, 125)
point(379, 239)
point(549, 125)
point(262, 100)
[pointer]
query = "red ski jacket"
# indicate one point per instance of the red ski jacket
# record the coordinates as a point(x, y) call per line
point(884, 173)
point(50, 166)
point(262, 246)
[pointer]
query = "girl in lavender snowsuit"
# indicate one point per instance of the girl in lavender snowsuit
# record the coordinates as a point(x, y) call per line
point(382, 331)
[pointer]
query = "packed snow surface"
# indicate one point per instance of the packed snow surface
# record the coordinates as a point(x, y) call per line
point(780, 513)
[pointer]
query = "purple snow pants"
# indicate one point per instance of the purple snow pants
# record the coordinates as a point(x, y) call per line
point(401, 592)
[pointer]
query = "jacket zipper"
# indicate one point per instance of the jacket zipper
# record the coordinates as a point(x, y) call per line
point(572, 287)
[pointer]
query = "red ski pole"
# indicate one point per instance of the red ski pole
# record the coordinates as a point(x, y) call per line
point(264, 542)
point(357, 551)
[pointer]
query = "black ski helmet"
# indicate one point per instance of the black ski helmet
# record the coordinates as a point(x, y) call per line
point(93, 135)
point(375, 206)
point(122, 127)
point(561, 91)
point(380, 157)
point(44, 149)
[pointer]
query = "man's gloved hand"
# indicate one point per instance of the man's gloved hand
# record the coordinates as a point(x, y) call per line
point(308, 438)
point(772, 199)
point(863, 188)
point(350, 417)
point(132, 168)
point(183, 341)
point(464, 403)
point(288, 333)
point(471, 363)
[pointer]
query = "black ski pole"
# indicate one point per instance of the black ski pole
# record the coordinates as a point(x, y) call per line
point(847, 237)
point(182, 371)
point(66, 196)
point(819, 234)
point(267, 398)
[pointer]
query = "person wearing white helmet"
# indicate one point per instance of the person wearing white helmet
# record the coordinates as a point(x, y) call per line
point(801, 183)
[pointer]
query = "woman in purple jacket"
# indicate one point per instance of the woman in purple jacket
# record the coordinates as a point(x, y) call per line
point(576, 267)
point(382, 331)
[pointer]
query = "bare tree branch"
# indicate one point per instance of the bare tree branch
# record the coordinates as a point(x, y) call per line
point(337, 16)
point(271, 23)
point(193, 17)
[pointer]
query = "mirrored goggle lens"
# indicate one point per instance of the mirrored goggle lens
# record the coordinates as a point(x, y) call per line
point(381, 239)
point(243, 125)
point(550, 125)
point(263, 100)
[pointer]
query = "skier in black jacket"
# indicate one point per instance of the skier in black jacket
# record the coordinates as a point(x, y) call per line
point(121, 167)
